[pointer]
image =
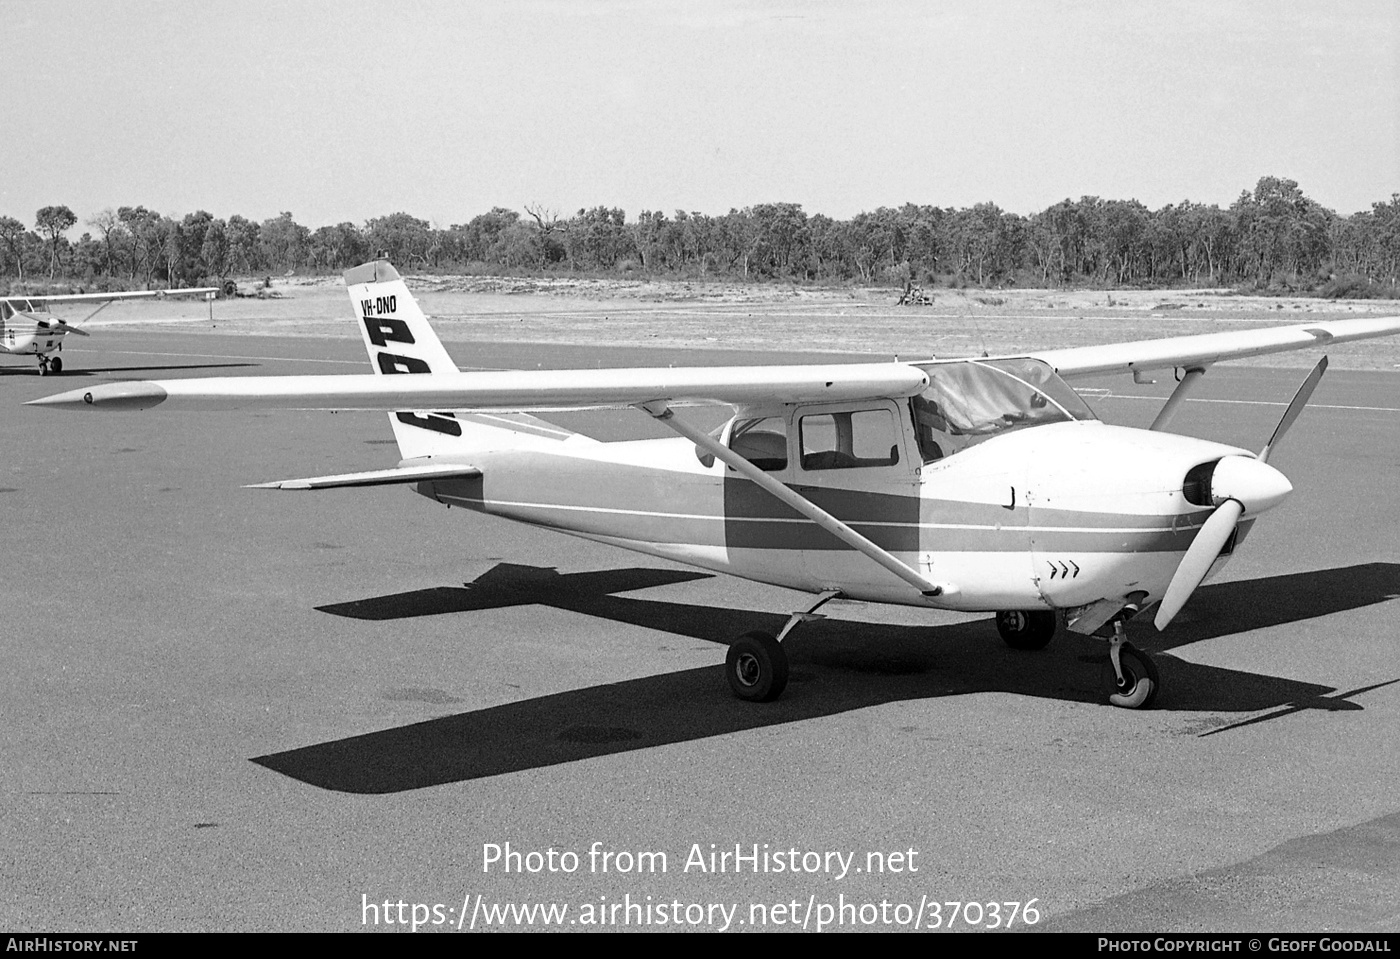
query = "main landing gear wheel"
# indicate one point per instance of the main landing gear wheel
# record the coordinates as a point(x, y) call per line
point(1138, 687)
point(56, 365)
point(1026, 630)
point(756, 667)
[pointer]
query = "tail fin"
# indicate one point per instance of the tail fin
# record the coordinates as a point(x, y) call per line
point(400, 340)
point(395, 331)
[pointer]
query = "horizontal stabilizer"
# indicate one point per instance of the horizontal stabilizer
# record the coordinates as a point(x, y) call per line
point(389, 477)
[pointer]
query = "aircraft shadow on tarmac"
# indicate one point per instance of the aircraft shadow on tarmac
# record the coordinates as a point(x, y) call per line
point(837, 666)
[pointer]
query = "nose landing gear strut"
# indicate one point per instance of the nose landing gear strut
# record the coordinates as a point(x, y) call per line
point(1131, 675)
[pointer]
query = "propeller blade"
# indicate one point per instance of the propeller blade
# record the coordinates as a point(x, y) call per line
point(1198, 559)
point(1234, 476)
point(1300, 399)
point(65, 328)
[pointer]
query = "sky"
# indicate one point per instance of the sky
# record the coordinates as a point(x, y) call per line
point(349, 110)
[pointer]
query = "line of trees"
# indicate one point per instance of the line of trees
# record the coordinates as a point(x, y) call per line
point(1273, 237)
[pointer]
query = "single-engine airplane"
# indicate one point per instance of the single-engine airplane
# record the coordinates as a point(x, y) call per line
point(28, 325)
point(973, 484)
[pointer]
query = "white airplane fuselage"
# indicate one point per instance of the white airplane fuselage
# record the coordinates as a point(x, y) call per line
point(30, 328)
point(31, 334)
point(1054, 516)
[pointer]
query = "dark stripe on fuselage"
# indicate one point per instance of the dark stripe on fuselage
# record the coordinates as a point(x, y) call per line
point(754, 519)
point(747, 506)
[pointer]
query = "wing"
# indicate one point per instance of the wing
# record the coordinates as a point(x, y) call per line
point(512, 390)
point(735, 386)
point(1207, 348)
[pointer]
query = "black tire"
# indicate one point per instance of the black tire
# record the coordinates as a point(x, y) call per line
point(756, 667)
point(1024, 629)
point(43, 369)
point(56, 365)
point(1140, 680)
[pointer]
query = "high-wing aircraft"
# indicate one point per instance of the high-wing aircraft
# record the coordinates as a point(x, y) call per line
point(981, 484)
point(28, 325)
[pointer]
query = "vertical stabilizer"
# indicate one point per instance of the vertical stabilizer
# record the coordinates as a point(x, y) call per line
point(394, 329)
point(399, 340)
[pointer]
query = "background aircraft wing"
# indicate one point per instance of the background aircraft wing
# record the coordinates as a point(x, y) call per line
point(107, 297)
point(510, 390)
point(1207, 348)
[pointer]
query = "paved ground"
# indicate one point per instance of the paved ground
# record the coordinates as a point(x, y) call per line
point(243, 709)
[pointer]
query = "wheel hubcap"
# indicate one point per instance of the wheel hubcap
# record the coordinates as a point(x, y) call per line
point(746, 669)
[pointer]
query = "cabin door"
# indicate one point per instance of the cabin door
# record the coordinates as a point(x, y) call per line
point(858, 462)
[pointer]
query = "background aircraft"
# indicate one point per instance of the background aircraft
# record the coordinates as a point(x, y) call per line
point(28, 325)
point(976, 484)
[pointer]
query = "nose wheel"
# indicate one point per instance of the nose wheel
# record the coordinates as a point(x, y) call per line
point(49, 365)
point(1130, 674)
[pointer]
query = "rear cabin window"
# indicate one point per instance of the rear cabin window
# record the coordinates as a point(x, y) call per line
point(849, 440)
point(762, 441)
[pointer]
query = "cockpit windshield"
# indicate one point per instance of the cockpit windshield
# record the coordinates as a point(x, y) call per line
point(971, 401)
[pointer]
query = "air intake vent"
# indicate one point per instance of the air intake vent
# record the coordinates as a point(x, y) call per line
point(1196, 489)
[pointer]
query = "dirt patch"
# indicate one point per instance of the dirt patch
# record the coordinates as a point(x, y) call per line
point(751, 317)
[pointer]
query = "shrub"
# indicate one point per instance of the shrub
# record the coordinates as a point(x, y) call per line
point(1352, 287)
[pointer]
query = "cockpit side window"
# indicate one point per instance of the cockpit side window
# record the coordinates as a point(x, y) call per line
point(932, 431)
point(762, 441)
point(849, 440)
point(1044, 386)
point(6, 311)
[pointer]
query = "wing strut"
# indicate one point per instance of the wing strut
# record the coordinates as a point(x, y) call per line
point(663, 414)
point(95, 312)
point(1188, 382)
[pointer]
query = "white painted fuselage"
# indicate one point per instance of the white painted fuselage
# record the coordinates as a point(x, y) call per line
point(31, 334)
point(1054, 516)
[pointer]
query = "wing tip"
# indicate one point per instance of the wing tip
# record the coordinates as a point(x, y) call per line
point(112, 396)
